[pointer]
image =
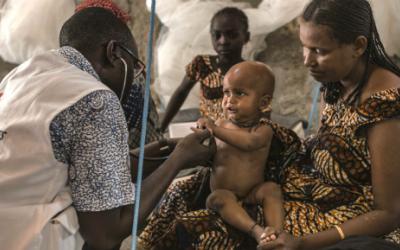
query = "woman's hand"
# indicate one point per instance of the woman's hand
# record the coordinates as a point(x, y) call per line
point(284, 241)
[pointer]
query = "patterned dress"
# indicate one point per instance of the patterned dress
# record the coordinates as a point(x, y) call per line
point(203, 69)
point(333, 184)
point(327, 183)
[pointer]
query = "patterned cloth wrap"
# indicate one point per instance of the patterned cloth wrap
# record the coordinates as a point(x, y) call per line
point(203, 69)
point(325, 181)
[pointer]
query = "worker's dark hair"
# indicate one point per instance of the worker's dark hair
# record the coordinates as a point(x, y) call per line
point(92, 27)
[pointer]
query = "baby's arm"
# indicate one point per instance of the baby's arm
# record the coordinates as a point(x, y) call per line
point(252, 140)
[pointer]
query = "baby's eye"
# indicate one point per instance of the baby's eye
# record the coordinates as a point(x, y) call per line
point(226, 93)
point(319, 51)
point(240, 93)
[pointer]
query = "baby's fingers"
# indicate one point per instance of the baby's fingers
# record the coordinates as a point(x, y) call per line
point(196, 129)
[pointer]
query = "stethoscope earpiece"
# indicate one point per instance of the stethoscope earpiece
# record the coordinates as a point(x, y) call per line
point(125, 76)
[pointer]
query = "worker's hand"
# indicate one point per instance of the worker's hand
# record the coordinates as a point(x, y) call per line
point(172, 142)
point(196, 149)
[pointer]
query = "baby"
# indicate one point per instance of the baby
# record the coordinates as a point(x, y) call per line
point(243, 142)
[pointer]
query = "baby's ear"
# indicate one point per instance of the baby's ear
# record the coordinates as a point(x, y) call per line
point(265, 103)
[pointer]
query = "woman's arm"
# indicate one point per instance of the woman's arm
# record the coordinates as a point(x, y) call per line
point(176, 101)
point(383, 143)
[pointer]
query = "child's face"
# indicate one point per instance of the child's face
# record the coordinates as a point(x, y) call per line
point(228, 37)
point(242, 99)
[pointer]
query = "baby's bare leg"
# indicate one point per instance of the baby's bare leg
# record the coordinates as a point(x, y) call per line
point(269, 195)
point(227, 205)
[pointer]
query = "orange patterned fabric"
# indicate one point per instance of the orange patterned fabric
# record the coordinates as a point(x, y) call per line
point(335, 184)
point(203, 69)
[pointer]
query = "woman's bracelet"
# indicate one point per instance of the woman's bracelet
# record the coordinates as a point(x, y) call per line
point(340, 232)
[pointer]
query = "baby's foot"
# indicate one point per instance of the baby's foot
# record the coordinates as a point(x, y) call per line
point(256, 231)
point(269, 234)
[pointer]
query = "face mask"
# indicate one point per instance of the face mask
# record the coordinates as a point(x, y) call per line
point(133, 103)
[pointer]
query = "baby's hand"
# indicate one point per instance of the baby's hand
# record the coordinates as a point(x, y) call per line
point(204, 123)
point(269, 234)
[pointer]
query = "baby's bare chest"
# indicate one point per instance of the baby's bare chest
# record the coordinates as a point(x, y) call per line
point(239, 160)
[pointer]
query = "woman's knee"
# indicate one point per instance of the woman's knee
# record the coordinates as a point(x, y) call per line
point(219, 198)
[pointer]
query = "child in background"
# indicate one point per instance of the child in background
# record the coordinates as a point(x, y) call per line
point(229, 33)
point(243, 140)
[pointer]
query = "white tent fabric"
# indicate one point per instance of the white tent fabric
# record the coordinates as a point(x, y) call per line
point(186, 33)
point(387, 18)
point(30, 27)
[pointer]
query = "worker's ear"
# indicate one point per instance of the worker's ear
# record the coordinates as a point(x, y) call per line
point(113, 52)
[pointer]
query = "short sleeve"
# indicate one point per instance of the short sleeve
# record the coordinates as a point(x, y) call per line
point(197, 69)
point(381, 106)
point(91, 138)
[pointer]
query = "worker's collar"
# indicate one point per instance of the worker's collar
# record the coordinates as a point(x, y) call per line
point(75, 58)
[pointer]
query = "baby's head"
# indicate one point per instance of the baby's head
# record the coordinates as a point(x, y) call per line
point(248, 88)
point(229, 32)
